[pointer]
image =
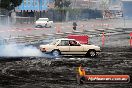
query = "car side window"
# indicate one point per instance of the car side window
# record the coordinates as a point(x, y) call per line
point(73, 43)
point(64, 43)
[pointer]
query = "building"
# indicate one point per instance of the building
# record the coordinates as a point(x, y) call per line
point(33, 5)
point(127, 8)
point(31, 8)
point(115, 5)
point(121, 8)
point(90, 4)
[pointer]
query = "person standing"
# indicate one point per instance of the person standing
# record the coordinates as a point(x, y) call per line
point(74, 25)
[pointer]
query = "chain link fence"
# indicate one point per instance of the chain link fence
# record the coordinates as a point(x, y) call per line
point(4, 20)
point(24, 20)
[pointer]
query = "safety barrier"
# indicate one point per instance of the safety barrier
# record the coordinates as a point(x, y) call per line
point(24, 39)
point(30, 39)
point(37, 38)
point(95, 26)
point(58, 28)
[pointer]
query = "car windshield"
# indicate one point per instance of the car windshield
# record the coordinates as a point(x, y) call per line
point(42, 19)
point(54, 42)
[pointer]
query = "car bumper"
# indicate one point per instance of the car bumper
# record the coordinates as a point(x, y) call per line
point(44, 51)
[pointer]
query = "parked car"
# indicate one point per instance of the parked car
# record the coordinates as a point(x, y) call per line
point(43, 22)
point(69, 47)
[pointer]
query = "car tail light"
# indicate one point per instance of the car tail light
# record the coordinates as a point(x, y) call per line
point(42, 49)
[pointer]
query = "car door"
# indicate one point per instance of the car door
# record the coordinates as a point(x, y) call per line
point(76, 48)
point(63, 46)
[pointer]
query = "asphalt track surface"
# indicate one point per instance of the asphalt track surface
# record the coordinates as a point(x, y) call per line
point(40, 72)
point(43, 72)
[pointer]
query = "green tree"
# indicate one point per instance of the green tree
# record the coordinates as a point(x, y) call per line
point(62, 3)
point(9, 4)
point(63, 7)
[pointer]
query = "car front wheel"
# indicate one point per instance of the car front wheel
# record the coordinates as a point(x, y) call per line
point(56, 53)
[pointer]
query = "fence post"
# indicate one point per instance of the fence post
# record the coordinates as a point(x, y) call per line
point(34, 19)
point(8, 20)
point(103, 39)
point(82, 28)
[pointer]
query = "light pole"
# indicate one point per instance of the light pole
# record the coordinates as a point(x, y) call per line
point(124, 20)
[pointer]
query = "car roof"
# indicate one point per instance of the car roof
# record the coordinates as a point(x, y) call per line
point(43, 18)
point(65, 39)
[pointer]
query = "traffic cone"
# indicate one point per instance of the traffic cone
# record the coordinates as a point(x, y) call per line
point(131, 42)
point(58, 29)
point(131, 39)
point(82, 28)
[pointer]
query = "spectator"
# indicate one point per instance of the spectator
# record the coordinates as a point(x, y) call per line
point(74, 25)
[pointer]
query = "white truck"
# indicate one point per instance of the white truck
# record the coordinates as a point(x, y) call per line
point(43, 22)
point(69, 47)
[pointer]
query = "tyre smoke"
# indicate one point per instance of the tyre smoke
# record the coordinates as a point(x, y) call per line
point(16, 50)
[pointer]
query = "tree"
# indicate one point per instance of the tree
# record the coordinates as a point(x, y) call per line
point(105, 4)
point(10, 4)
point(63, 7)
point(62, 3)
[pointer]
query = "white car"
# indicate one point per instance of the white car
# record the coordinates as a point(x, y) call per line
point(69, 47)
point(43, 22)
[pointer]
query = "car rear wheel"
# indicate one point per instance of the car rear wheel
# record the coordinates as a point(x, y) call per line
point(46, 25)
point(91, 53)
point(56, 53)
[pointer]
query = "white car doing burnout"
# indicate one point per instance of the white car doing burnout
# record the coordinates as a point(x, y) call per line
point(69, 47)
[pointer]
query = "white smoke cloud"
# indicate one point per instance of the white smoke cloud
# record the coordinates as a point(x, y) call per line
point(15, 50)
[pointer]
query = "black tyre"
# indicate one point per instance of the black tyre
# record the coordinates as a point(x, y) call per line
point(39, 26)
point(45, 25)
point(56, 53)
point(49, 26)
point(82, 80)
point(91, 53)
